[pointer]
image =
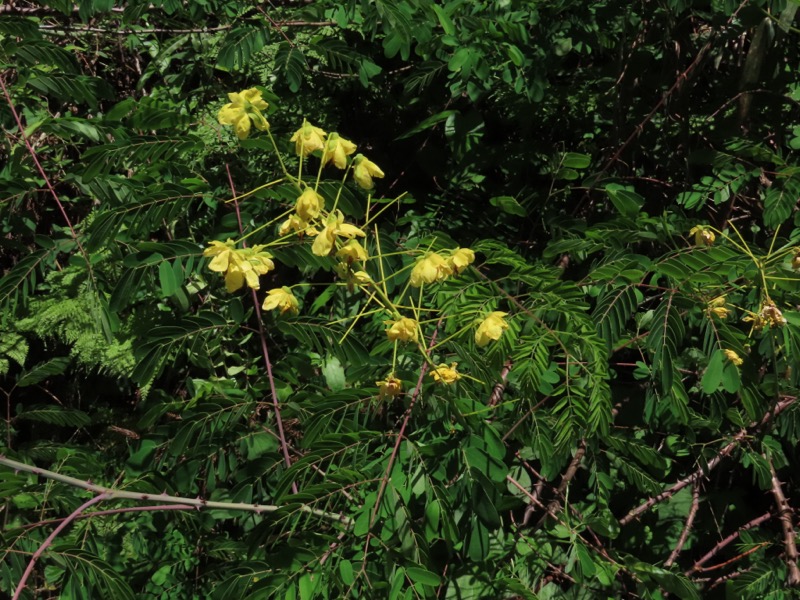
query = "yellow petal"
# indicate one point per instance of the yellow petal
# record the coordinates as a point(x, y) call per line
point(491, 328)
point(229, 114)
point(242, 127)
point(323, 243)
point(234, 279)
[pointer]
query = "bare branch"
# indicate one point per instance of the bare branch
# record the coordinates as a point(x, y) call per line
point(687, 526)
point(698, 566)
point(785, 516)
point(701, 472)
point(197, 503)
point(46, 544)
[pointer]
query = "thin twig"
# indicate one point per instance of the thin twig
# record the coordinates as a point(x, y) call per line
point(687, 527)
point(197, 503)
point(698, 566)
point(264, 348)
point(46, 544)
point(785, 516)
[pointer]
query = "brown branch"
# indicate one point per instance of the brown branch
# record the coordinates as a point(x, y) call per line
point(687, 527)
point(785, 516)
point(500, 386)
point(701, 472)
point(698, 566)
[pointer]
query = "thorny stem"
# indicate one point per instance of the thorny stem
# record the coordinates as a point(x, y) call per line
point(698, 566)
point(701, 472)
point(785, 516)
point(198, 503)
point(46, 544)
point(264, 348)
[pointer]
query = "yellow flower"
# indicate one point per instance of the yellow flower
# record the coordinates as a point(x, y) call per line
point(323, 243)
point(717, 307)
point(491, 328)
point(337, 149)
point(308, 139)
point(281, 298)
point(309, 205)
point(460, 259)
point(404, 329)
point(352, 251)
point(429, 268)
point(245, 265)
point(445, 374)
point(294, 223)
point(796, 261)
point(733, 357)
point(703, 236)
point(242, 108)
point(390, 387)
point(361, 277)
point(364, 170)
point(221, 251)
point(240, 266)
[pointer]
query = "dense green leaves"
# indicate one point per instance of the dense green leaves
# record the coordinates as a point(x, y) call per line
point(627, 176)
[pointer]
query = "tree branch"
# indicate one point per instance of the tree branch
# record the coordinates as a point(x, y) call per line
point(687, 526)
point(197, 503)
point(46, 544)
point(700, 472)
point(785, 516)
point(698, 566)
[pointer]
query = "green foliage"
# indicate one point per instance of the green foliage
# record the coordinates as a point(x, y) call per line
point(627, 176)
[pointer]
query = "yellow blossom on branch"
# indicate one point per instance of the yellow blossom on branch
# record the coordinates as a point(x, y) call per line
point(796, 261)
point(335, 227)
point(404, 329)
point(460, 259)
point(390, 387)
point(309, 205)
point(703, 236)
point(243, 108)
point(337, 149)
point(281, 299)
point(352, 251)
point(733, 357)
point(429, 268)
point(308, 139)
point(364, 170)
point(445, 374)
point(491, 328)
point(221, 251)
point(717, 307)
point(245, 266)
point(240, 266)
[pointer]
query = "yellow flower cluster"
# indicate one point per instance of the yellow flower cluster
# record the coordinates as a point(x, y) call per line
point(242, 265)
point(244, 107)
point(433, 267)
